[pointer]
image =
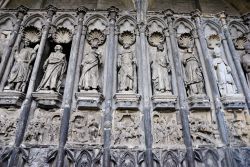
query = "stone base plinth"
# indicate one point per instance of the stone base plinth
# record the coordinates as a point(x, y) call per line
point(199, 102)
point(11, 98)
point(162, 101)
point(89, 100)
point(234, 102)
point(127, 100)
point(48, 99)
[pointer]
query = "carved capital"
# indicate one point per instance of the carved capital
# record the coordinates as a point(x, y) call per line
point(51, 10)
point(168, 13)
point(222, 16)
point(246, 18)
point(21, 11)
point(82, 10)
point(196, 13)
point(113, 12)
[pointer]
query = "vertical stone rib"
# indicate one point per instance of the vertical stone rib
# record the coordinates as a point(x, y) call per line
point(214, 89)
point(236, 59)
point(181, 90)
point(20, 15)
point(109, 86)
point(69, 85)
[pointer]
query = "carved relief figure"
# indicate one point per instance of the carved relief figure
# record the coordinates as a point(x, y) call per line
point(21, 70)
point(161, 71)
point(94, 130)
point(246, 61)
point(223, 73)
point(3, 44)
point(89, 79)
point(54, 128)
point(193, 75)
point(54, 67)
point(35, 131)
point(79, 133)
point(126, 71)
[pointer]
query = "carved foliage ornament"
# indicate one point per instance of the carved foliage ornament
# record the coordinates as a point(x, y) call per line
point(239, 42)
point(127, 38)
point(62, 35)
point(185, 40)
point(213, 41)
point(156, 38)
point(96, 38)
point(31, 34)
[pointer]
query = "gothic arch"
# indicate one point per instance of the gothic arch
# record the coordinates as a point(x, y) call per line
point(240, 29)
point(65, 20)
point(127, 159)
point(211, 158)
point(7, 16)
point(213, 26)
point(36, 20)
point(84, 159)
point(187, 23)
point(94, 18)
point(169, 158)
point(157, 20)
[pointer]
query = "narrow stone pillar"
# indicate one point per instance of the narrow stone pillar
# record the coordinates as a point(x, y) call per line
point(108, 89)
point(144, 67)
point(22, 10)
point(236, 59)
point(25, 108)
point(213, 85)
point(69, 85)
point(180, 88)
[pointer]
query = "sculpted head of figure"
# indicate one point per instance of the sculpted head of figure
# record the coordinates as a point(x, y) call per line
point(160, 47)
point(247, 47)
point(126, 46)
point(58, 48)
point(26, 43)
point(217, 52)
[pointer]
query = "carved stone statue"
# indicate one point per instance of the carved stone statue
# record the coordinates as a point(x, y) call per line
point(54, 129)
point(93, 130)
point(3, 44)
point(193, 75)
point(54, 67)
point(89, 79)
point(79, 133)
point(21, 70)
point(161, 71)
point(223, 74)
point(126, 71)
point(246, 61)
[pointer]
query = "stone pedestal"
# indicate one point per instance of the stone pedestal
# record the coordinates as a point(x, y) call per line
point(163, 101)
point(199, 102)
point(233, 102)
point(11, 98)
point(127, 100)
point(89, 100)
point(47, 99)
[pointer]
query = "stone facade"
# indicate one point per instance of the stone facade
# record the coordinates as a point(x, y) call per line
point(109, 88)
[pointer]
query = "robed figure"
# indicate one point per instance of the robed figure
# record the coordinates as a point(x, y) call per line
point(22, 67)
point(161, 71)
point(126, 71)
point(54, 67)
point(245, 60)
point(193, 74)
point(223, 74)
point(90, 66)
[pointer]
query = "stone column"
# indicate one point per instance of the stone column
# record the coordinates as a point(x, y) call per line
point(144, 67)
point(25, 108)
point(236, 59)
point(108, 89)
point(69, 85)
point(181, 89)
point(20, 15)
point(213, 85)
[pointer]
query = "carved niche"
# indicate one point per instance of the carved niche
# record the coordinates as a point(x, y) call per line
point(126, 96)
point(91, 72)
point(49, 93)
point(127, 129)
point(223, 74)
point(43, 128)
point(89, 158)
point(237, 31)
point(161, 72)
point(85, 127)
point(167, 131)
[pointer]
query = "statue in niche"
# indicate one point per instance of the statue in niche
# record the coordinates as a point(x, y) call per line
point(3, 44)
point(161, 71)
point(246, 61)
point(89, 80)
point(54, 68)
point(21, 70)
point(126, 70)
point(193, 76)
point(223, 73)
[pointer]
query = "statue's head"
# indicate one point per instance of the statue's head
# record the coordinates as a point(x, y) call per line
point(160, 47)
point(247, 47)
point(58, 48)
point(26, 43)
point(217, 52)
